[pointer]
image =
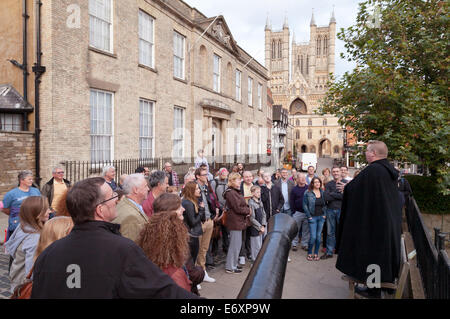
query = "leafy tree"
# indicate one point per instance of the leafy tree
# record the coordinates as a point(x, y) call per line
point(398, 92)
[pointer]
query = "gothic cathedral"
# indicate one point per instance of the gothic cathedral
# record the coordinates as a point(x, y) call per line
point(298, 80)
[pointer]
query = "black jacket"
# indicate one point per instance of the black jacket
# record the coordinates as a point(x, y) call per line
point(192, 219)
point(332, 195)
point(370, 223)
point(107, 265)
point(274, 197)
point(47, 189)
point(209, 202)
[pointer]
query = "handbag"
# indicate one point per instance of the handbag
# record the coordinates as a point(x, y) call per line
point(23, 291)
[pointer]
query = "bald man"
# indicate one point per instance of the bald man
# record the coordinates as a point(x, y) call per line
point(370, 222)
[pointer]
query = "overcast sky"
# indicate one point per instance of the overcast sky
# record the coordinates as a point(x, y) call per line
point(247, 18)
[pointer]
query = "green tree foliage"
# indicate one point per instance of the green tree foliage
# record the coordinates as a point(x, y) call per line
point(398, 92)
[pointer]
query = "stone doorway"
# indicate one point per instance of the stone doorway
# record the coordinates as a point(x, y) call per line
point(325, 148)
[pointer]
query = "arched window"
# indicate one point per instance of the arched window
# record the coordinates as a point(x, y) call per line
point(302, 64)
point(310, 122)
point(324, 122)
point(310, 136)
point(297, 134)
point(336, 150)
point(318, 44)
point(307, 64)
point(325, 45)
point(273, 49)
point(297, 123)
point(279, 49)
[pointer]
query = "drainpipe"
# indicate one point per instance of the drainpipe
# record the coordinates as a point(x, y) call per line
point(25, 62)
point(38, 69)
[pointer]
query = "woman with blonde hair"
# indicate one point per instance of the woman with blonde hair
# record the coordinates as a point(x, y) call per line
point(53, 230)
point(326, 176)
point(22, 244)
point(237, 221)
point(164, 241)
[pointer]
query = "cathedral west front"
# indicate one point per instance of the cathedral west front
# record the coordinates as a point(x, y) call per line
point(299, 72)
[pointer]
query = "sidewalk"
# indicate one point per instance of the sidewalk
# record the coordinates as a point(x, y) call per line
point(303, 280)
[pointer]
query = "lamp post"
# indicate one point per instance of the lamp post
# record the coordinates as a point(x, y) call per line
point(344, 137)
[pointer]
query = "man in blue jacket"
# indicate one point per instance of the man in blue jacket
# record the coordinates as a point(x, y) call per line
point(299, 216)
point(94, 260)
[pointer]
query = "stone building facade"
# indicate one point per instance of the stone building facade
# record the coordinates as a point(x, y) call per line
point(299, 73)
point(141, 78)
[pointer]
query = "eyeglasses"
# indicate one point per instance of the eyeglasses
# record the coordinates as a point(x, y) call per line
point(115, 195)
point(59, 172)
point(203, 174)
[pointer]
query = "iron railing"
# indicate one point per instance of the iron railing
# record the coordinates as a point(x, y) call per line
point(79, 170)
point(432, 259)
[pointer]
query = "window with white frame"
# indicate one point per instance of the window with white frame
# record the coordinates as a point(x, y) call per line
point(146, 128)
point(216, 73)
point(11, 122)
point(250, 91)
point(178, 127)
point(146, 39)
point(260, 132)
point(101, 103)
point(238, 136)
point(100, 24)
point(238, 85)
point(259, 96)
point(178, 55)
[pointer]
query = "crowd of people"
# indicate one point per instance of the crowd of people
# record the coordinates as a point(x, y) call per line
point(148, 236)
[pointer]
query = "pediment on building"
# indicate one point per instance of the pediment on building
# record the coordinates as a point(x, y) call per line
point(220, 31)
point(216, 105)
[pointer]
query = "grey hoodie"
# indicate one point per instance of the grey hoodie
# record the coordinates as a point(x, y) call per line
point(253, 204)
point(21, 246)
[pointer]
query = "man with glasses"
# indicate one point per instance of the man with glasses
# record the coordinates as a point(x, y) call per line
point(94, 260)
point(172, 175)
point(55, 188)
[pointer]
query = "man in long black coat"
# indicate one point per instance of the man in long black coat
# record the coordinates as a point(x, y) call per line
point(370, 222)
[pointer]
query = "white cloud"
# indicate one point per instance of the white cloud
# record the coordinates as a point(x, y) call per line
point(247, 19)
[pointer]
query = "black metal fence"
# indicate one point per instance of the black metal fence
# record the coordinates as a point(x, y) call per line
point(433, 261)
point(78, 170)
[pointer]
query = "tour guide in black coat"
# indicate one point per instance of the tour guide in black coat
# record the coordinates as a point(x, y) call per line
point(370, 222)
point(94, 260)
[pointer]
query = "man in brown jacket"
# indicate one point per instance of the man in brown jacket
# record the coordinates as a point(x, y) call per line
point(130, 214)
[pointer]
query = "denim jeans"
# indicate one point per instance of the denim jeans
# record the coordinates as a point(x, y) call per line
point(302, 223)
point(315, 229)
point(332, 224)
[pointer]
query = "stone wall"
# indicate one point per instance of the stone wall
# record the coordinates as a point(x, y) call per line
point(16, 154)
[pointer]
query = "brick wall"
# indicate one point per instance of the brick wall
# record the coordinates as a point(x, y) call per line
point(16, 154)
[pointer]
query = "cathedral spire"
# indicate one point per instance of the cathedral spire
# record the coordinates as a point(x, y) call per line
point(333, 19)
point(313, 22)
point(285, 24)
point(268, 26)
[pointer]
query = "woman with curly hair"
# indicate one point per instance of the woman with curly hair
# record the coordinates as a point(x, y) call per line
point(165, 242)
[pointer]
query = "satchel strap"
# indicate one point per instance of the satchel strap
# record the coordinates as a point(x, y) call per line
point(31, 273)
